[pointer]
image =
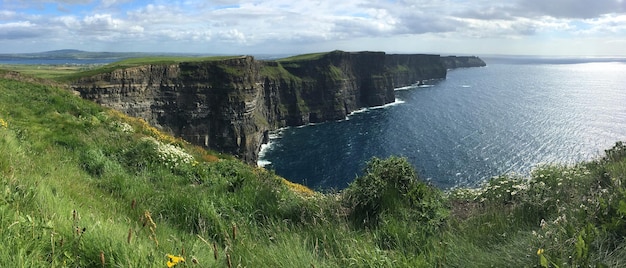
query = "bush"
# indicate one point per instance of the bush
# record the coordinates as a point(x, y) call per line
point(617, 153)
point(391, 187)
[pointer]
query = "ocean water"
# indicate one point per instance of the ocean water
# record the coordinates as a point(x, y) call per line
point(478, 123)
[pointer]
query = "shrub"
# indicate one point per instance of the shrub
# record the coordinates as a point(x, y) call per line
point(617, 153)
point(390, 187)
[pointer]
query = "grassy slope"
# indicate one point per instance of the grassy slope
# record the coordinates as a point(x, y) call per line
point(138, 62)
point(64, 73)
point(80, 182)
point(46, 71)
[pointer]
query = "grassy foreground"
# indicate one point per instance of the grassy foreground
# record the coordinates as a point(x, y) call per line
point(84, 186)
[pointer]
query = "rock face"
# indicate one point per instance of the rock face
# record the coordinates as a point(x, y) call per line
point(452, 62)
point(230, 105)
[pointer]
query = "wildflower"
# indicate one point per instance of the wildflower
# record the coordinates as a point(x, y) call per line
point(173, 260)
point(3, 123)
point(123, 127)
point(561, 218)
point(540, 251)
point(172, 156)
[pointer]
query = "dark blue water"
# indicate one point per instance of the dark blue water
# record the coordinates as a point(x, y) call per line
point(478, 123)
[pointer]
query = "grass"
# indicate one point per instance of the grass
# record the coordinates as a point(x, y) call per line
point(303, 57)
point(46, 71)
point(132, 62)
point(84, 186)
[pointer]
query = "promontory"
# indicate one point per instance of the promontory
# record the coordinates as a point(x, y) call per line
point(229, 104)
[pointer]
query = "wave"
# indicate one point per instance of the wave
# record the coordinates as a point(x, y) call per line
point(265, 147)
point(362, 110)
point(421, 84)
point(405, 88)
point(262, 162)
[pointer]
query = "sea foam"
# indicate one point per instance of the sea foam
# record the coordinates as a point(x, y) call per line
point(362, 110)
point(273, 135)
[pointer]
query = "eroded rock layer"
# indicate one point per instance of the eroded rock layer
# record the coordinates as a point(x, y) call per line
point(229, 105)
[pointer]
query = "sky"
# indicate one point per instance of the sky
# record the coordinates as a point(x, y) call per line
point(476, 27)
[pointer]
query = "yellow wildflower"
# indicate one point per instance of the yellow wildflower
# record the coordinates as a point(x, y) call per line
point(173, 260)
point(540, 251)
point(3, 123)
point(298, 188)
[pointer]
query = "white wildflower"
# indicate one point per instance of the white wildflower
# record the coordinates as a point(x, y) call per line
point(172, 156)
point(560, 219)
point(521, 187)
point(123, 127)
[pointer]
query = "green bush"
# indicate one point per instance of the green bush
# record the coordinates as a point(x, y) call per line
point(617, 153)
point(388, 187)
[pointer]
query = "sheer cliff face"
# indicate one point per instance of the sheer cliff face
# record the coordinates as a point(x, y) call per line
point(229, 105)
point(452, 62)
point(215, 104)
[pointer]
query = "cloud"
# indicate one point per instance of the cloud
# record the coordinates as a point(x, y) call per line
point(604, 25)
point(20, 30)
point(112, 3)
point(234, 24)
point(7, 14)
point(583, 9)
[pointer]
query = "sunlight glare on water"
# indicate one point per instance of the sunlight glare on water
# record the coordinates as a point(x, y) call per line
point(478, 123)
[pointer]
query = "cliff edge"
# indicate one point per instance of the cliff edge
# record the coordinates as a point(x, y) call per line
point(230, 104)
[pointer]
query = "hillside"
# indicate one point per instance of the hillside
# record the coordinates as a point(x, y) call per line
point(86, 186)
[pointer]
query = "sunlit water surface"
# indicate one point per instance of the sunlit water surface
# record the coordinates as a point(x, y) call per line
point(478, 123)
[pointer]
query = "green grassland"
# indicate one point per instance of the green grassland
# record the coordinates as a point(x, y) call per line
point(132, 62)
point(69, 72)
point(47, 71)
point(85, 186)
point(304, 57)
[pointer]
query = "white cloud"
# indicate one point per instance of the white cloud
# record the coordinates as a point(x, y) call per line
point(231, 24)
point(570, 8)
point(110, 3)
point(606, 25)
point(7, 14)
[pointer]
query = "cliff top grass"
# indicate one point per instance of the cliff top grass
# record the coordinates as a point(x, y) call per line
point(85, 186)
point(133, 62)
point(46, 71)
point(304, 57)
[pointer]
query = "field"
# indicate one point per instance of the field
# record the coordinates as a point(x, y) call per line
point(85, 186)
point(47, 71)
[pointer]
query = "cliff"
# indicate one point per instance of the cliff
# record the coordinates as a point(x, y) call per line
point(230, 104)
point(452, 62)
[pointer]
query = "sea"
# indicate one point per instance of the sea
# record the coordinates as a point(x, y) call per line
point(511, 117)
